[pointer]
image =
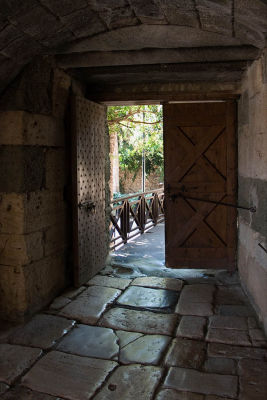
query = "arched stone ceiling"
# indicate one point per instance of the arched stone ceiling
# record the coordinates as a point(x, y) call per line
point(38, 27)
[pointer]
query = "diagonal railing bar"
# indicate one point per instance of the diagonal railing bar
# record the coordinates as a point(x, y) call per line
point(116, 226)
point(133, 215)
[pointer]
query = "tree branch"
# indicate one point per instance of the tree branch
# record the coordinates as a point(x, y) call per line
point(143, 122)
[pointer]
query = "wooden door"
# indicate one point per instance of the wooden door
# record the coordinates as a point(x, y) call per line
point(200, 162)
point(88, 175)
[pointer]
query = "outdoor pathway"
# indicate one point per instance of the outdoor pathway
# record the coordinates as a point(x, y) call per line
point(128, 336)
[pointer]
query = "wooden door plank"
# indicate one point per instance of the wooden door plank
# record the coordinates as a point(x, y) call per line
point(88, 130)
point(199, 147)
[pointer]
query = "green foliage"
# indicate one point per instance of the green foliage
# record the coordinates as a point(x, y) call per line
point(138, 128)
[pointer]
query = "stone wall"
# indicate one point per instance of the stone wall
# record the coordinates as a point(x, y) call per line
point(131, 184)
point(34, 182)
point(252, 160)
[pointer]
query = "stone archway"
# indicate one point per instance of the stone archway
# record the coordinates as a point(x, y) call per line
point(180, 49)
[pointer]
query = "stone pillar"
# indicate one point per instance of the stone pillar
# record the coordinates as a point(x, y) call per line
point(34, 211)
point(252, 182)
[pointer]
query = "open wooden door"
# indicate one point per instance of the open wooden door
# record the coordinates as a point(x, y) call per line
point(200, 163)
point(88, 175)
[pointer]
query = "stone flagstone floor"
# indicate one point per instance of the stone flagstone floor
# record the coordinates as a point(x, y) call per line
point(128, 336)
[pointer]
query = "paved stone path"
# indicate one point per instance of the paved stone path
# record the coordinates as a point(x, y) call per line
point(130, 336)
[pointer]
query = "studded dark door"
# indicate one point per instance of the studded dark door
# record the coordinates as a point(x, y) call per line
point(88, 175)
point(200, 163)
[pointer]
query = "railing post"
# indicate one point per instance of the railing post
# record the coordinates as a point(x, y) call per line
point(143, 213)
point(155, 208)
point(120, 222)
point(125, 220)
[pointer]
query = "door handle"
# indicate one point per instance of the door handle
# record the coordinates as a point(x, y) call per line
point(88, 206)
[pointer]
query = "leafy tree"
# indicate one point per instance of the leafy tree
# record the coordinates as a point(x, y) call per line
point(138, 128)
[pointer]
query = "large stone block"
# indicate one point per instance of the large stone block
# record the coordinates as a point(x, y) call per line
point(18, 250)
point(25, 213)
point(253, 275)
point(264, 65)
point(23, 128)
point(84, 23)
point(44, 280)
point(31, 90)
point(194, 381)
point(243, 108)
point(254, 192)
point(60, 91)
point(26, 289)
point(255, 77)
point(257, 111)
point(55, 169)
point(12, 293)
point(56, 238)
point(22, 168)
point(12, 213)
point(43, 209)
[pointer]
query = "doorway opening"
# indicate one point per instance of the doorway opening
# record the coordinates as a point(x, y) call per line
point(136, 183)
point(200, 186)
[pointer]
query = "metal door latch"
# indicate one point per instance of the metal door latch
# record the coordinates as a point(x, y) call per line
point(89, 206)
point(251, 209)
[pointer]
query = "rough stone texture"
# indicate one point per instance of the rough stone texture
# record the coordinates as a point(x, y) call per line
point(220, 366)
point(225, 322)
point(27, 129)
point(252, 162)
point(144, 350)
point(56, 238)
point(257, 337)
point(170, 394)
point(131, 382)
point(212, 397)
point(27, 394)
point(19, 250)
point(42, 331)
point(59, 303)
point(90, 304)
point(3, 388)
point(41, 280)
point(100, 280)
point(90, 341)
point(236, 310)
point(32, 212)
point(196, 300)
point(15, 360)
point(139, 321)
point(55, 169)
point(229, 336)
point(72, 293)
point(230, 295)
point(147, 298)
point(22, 168)
point(235, 352)
point(159, 283)
point(33, 209)
point(200, 382)
point(253, 383)
point(191, 327)
point(186, 353)
point(26, 29)
point(69, 376)
point(127, 337)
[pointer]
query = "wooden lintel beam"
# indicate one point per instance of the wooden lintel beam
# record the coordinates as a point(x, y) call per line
point(162, 92)
point(216, 72)
point(157, 56)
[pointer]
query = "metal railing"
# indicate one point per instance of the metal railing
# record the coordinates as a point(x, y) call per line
point(135, 214)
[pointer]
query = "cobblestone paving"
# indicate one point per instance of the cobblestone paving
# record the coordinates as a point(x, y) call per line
point(201, 341)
